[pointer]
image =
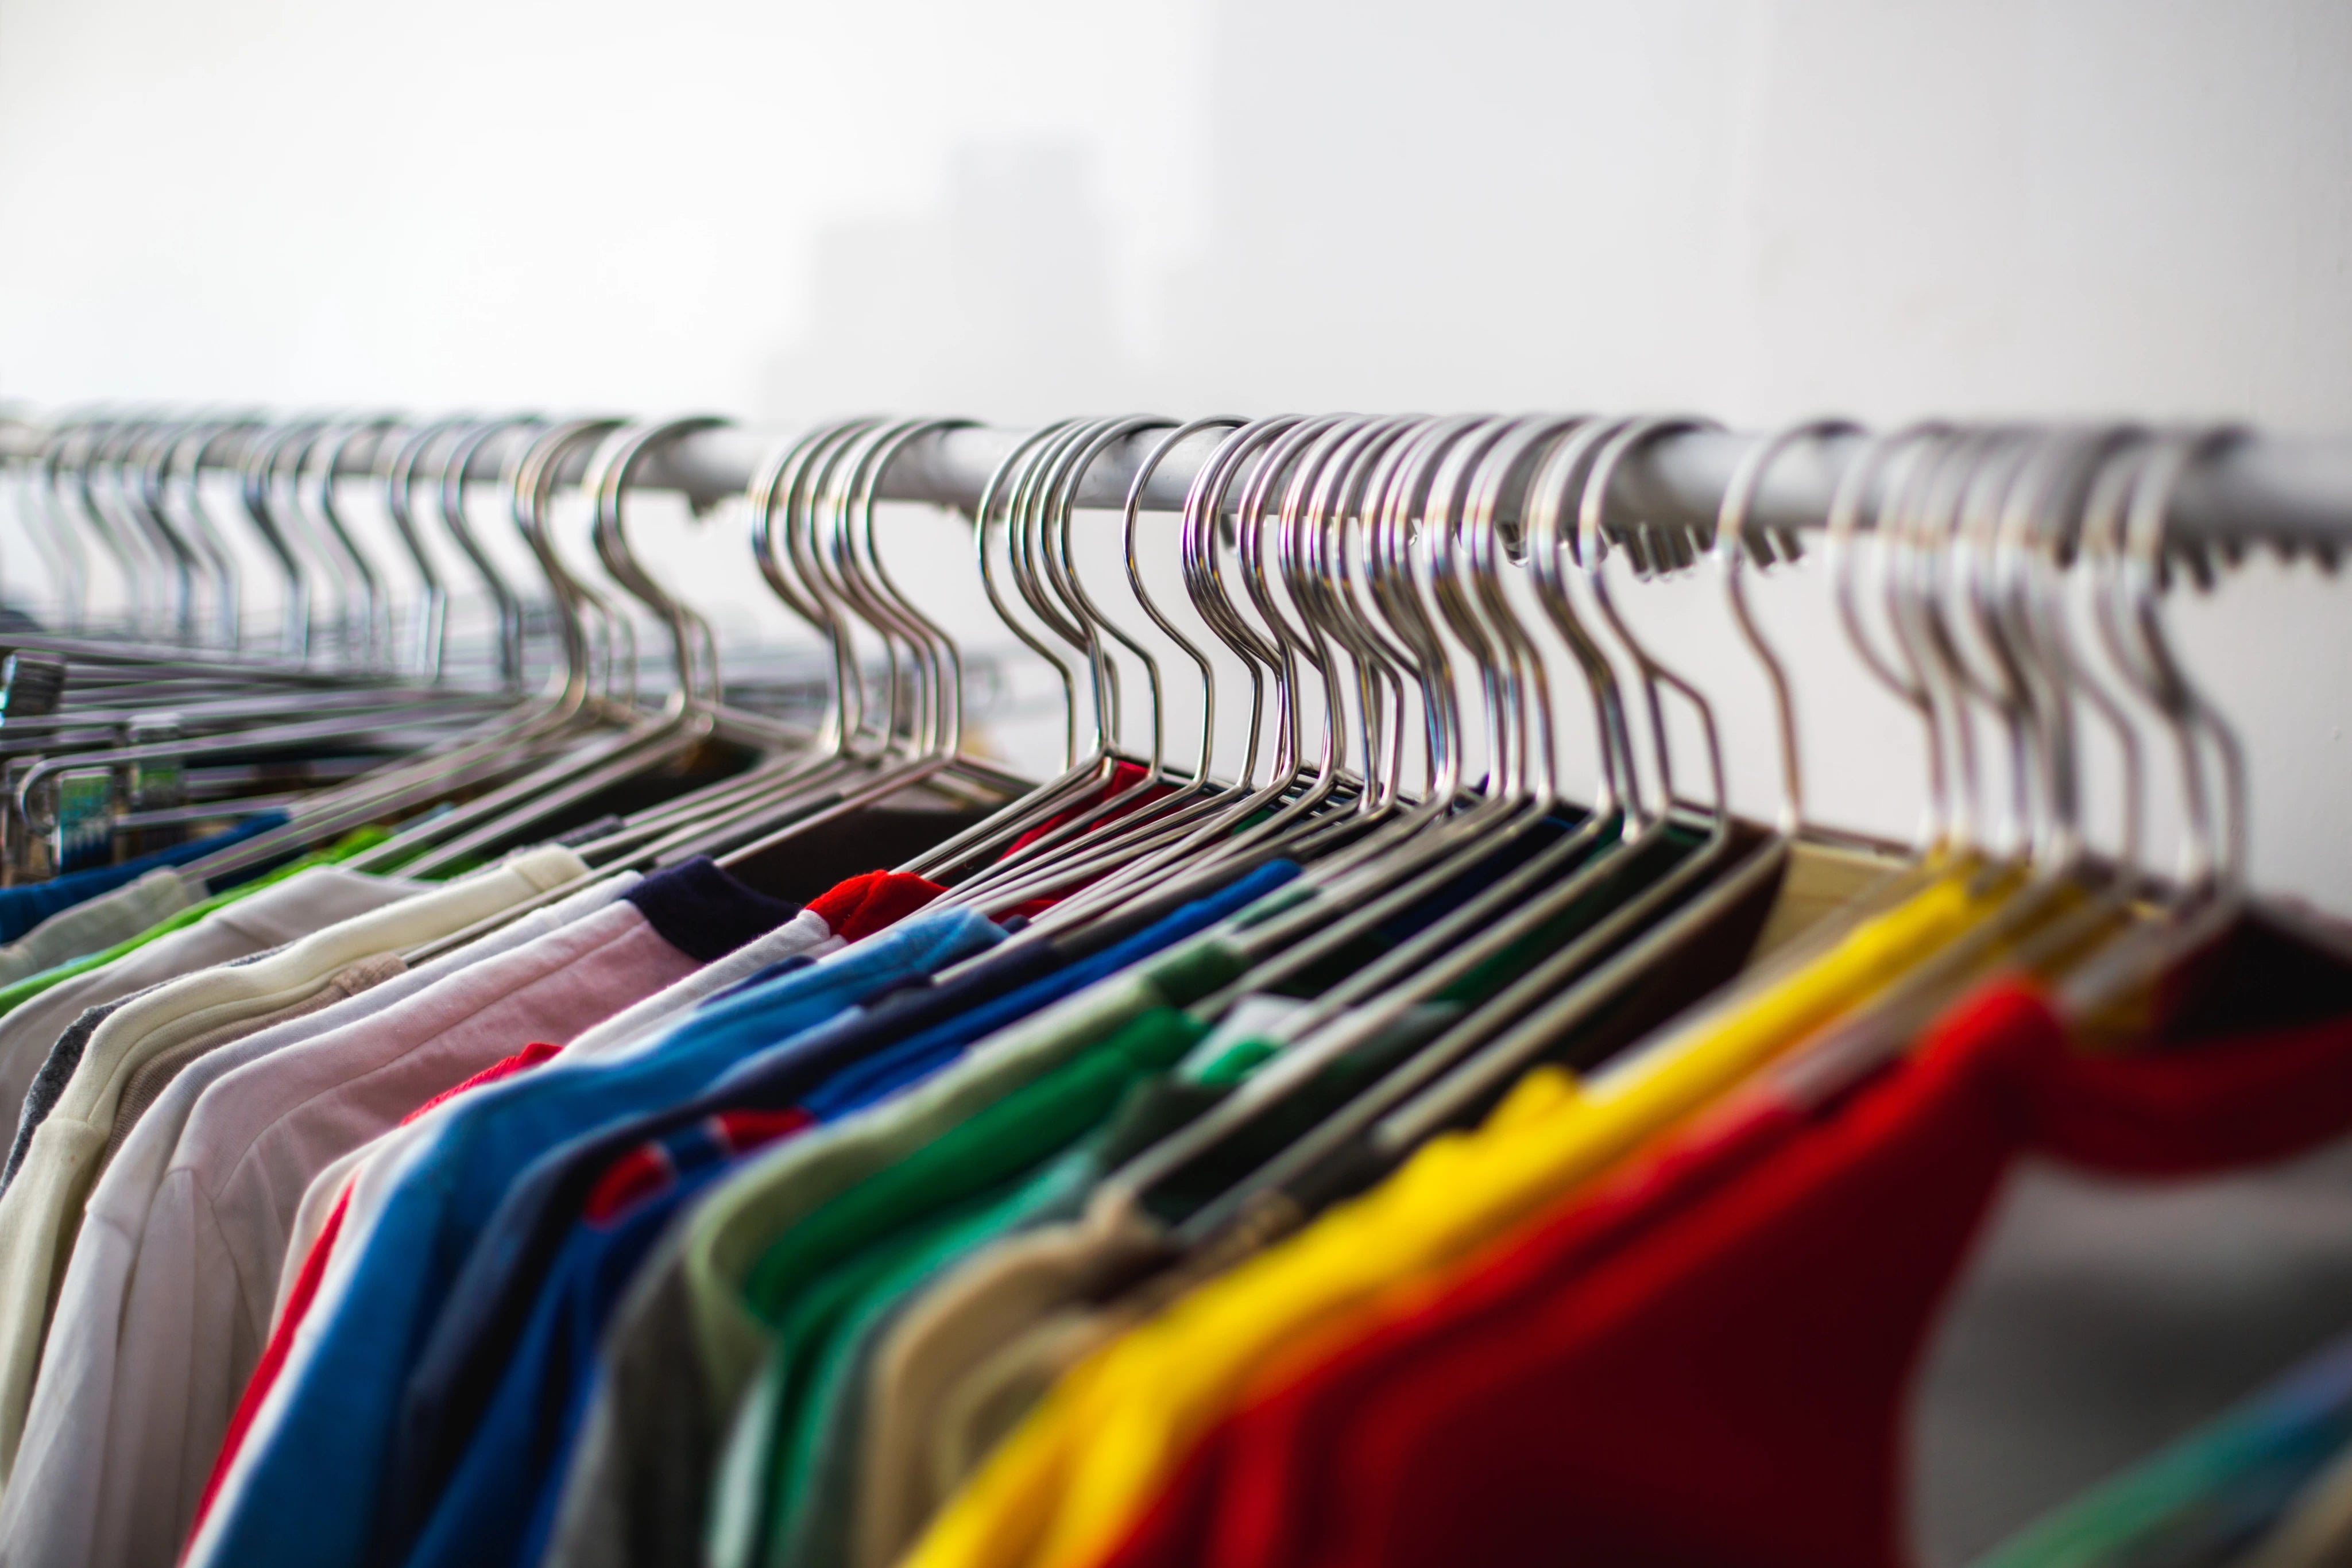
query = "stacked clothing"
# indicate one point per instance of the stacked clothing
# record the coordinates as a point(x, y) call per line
point(667, 1221)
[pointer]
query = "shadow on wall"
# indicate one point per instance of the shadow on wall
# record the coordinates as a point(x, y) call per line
point(997, 300)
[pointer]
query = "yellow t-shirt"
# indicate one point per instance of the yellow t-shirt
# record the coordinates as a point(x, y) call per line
point(1063, 1488)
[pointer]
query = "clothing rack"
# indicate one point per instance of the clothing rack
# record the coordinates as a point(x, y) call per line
point(2290, 493)
point(1216, 1054)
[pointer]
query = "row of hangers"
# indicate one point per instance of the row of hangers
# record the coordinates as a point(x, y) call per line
point(1419, 605)
point(131, 487)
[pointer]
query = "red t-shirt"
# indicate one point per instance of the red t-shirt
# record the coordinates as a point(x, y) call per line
point(1709, 1361)
point(876, 901)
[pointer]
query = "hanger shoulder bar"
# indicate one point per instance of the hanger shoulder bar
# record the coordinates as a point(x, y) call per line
point(2292, 492)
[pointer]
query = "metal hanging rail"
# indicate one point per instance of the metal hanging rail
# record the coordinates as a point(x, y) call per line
point(2292, 493)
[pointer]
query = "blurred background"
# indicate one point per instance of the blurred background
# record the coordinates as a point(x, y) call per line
point(1019, 210)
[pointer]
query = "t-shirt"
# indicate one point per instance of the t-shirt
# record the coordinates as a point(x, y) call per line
point(2314, 1526)
point(967, 1316)
point(487, 1508)
point(1717, 1148)
point(955, 1369)
point(308, 1478)
point(639, 1488)
point(891, 1422)
point(56, 1072)
point(155, 1075)
point(829, 1439)
point(306, 1280)
point(814, 1450)
point(850, 911)
point(847, 912)
point(1743, 1364)
point(322, 899)
point(122, 1201)
point(544, 1202)
point(812, 1281)
point(99, 924)
point(664, 1496)
point(987, 1401)
point(468, 1326)
point(799, 940)
point(675, 1490)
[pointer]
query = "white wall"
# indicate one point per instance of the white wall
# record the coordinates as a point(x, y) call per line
point(1024, 209)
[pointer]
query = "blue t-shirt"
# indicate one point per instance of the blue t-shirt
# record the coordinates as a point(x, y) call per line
point(519, 1447)
point(312, 1492)
point(499, 1506)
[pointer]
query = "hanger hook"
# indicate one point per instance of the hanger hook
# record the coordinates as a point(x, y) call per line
point(431, 620)
point(260, 464)
point(612, 468)
point(1204, 506)
point(327, 458)
point(1130, 511)
point(1896, 459)
point(2033, 537)
point(137, 468)
point(936, 721)
point(1592, 541)
point(450, 497)
point(2134, 536)
point(1732, 527)
point(775, 498)
point(185, 460)
point(1399, 591)
point(1006, 491)
point(530, 483)
point(1106, 434)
